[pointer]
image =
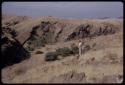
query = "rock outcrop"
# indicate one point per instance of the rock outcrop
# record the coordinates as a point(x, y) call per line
point(51, 32)
point(11, 49)
point(20, 31)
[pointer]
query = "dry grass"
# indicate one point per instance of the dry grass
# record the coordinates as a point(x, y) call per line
point(94, 69)
point(95, 63)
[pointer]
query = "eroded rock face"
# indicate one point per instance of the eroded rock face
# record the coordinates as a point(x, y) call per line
point(56, 30)
point(41, 35)
point(88, 30)
point(12, 51)
point(32, 34)
point(51, 32)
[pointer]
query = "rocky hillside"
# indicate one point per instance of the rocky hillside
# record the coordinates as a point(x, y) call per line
point(12, 50)
point(36, 32)
point(101, 62)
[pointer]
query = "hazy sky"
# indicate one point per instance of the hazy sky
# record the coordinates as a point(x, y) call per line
point(65, 9)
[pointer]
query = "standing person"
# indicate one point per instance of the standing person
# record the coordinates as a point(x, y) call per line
point(80, 48)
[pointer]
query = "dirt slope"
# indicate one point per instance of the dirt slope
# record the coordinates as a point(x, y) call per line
point(102, 63)
point(101, 69)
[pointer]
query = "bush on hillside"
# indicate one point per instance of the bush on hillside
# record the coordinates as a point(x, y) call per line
point(74, 48)
point(65, 51)
point(51, 56)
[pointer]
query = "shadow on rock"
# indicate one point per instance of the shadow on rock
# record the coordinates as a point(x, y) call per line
point(12, 52)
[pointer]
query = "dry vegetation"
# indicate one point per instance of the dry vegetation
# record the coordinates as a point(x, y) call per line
point(101, 62)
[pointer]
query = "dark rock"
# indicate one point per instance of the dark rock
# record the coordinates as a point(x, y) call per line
point(12, 51)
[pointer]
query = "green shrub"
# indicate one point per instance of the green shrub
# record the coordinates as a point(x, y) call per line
point(51, 56)
point(35, 42)
point(38, 42)
point(64, 51)
point(74, 48)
